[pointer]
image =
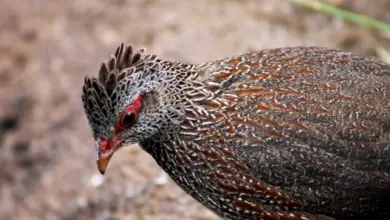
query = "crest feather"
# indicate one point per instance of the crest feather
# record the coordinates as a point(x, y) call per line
point(111, 71)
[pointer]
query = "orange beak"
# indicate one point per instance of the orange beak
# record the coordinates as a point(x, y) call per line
point(102, 161)
point(105, 150)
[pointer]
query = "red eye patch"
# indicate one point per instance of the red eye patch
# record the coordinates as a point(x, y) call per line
point(104, 146)
point(130, 115)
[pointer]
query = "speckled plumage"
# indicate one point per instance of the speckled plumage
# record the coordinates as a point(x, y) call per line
point(289, 133)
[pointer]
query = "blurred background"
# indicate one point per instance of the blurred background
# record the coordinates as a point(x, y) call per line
point(47, 156)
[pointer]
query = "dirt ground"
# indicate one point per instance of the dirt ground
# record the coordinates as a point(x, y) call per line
point(48, 168)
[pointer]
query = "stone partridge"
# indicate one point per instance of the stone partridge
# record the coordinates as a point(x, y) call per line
point(287, 133)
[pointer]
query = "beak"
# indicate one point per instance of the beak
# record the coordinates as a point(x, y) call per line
point(102, 161)
point(105, 150)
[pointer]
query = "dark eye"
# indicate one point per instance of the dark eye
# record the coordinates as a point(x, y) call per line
point(129, 116)
point(129, 119)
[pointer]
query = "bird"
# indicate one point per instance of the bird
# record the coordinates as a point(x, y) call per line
point(281, 133)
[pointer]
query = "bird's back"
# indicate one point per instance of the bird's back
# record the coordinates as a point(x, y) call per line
point(292, 130)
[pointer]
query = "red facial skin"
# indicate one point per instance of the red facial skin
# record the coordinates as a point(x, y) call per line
point(108, 147)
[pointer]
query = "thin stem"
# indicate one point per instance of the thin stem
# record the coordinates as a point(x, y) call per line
point(346, 15)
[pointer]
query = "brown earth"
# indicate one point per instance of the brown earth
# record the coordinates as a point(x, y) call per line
point(48, 168)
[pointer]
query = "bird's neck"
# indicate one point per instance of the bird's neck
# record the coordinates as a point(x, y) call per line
point(190, 166)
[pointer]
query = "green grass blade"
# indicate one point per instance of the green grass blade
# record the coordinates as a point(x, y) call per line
point(345, 15)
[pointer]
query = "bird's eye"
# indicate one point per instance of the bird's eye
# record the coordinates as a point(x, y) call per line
point(129, 119)
point(130, 115)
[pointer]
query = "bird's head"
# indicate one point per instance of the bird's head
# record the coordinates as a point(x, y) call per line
point(136, 98)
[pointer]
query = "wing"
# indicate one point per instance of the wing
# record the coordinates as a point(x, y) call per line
point(313, 122)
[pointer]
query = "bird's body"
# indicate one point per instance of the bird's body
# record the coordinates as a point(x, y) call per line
point(289, 133)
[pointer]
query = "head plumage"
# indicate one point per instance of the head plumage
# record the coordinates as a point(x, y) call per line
point(99, 96)
point(125, 76)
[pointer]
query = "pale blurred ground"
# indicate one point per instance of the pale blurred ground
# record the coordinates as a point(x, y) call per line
point(47, 157)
